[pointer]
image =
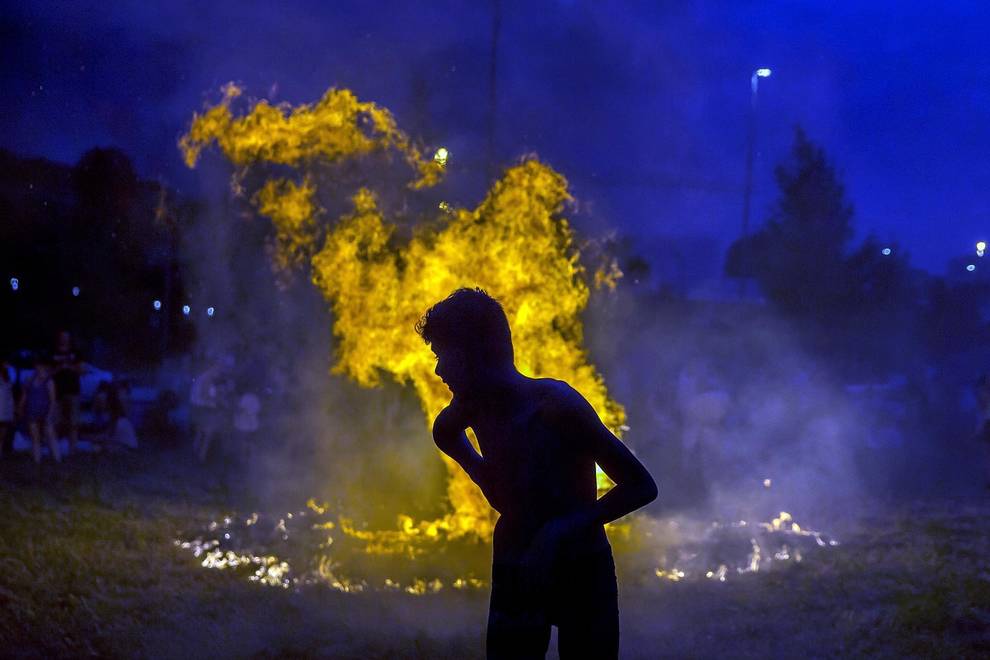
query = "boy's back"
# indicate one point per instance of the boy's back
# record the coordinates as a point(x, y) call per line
point(539, 470)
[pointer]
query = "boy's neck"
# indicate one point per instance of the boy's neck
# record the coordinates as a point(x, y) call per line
point(501, 386)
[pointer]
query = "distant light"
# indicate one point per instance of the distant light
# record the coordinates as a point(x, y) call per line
point(15, 283)
point(763, 73)
point(980, 253)
point(210, 311)
point(766, 483)
point(441, 156)
point(885, 252)
point(971, 267)
point(981, 246)
point(157, 305)
point(445, 207)
point(186, 309)
point(75, 291)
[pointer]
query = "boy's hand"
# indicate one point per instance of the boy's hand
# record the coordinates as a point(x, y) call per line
point(448, 426)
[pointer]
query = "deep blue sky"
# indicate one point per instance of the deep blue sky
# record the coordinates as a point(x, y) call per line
point(642, 105)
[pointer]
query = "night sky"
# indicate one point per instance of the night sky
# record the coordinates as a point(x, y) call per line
point(642, 106)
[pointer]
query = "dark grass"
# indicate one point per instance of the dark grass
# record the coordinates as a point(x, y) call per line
point(88, 567)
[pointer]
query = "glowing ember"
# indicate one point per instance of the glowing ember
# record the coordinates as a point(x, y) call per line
point(301, 548)
point(312, 547)
point(723, 550)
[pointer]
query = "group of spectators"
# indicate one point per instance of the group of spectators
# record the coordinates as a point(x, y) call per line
point(44, 403)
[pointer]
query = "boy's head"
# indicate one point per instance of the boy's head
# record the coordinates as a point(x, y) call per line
point(470, 334)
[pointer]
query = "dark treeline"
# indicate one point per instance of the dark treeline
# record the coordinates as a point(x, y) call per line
point(864, 303)
point(860, 303)
point(90, 248)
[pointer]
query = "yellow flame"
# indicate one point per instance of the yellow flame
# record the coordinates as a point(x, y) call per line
point(336, 127)
point(516, 244)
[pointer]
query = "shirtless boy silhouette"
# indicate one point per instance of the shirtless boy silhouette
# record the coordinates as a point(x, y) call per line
point(540, 441)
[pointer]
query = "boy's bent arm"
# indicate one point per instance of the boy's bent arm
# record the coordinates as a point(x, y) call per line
point(450, 438)
point(634, 486)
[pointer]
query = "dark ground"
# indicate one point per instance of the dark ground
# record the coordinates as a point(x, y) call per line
point(88, 566)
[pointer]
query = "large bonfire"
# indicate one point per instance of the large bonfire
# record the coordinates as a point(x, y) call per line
point(515, 244)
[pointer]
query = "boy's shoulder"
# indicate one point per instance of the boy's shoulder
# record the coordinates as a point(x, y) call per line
point(556, 399)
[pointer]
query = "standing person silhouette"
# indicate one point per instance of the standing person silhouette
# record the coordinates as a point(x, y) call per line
point(539, 440)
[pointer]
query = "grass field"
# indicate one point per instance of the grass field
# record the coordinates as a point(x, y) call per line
point(89, 567)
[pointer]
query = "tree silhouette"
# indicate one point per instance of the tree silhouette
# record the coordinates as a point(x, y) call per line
point(802, 258)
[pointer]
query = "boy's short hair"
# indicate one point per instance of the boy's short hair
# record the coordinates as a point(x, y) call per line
point(471, 320)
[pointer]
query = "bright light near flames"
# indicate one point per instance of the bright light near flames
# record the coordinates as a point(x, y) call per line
point(441, 156)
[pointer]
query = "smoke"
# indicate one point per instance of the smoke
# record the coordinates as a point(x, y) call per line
point(738, 419)
point(740, 422)
point(743, 419)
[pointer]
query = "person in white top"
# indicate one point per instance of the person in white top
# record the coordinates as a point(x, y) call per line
point(246, 425)
point(205, 398)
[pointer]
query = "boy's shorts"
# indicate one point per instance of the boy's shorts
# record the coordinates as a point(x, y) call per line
point(579, 596)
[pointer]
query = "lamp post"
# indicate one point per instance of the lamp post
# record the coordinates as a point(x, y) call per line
point(754, 84)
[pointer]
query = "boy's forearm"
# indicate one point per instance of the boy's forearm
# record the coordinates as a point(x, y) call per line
point(622, 500)
point(462, 452)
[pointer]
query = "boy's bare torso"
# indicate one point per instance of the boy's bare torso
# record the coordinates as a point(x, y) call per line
point(538, 469)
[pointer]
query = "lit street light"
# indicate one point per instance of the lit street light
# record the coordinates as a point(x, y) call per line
point(754, 84)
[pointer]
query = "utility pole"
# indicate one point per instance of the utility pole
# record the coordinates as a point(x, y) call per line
point(754, 84)
point(493, 86)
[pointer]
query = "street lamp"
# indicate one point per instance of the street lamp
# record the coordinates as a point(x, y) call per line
point(754, 84)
